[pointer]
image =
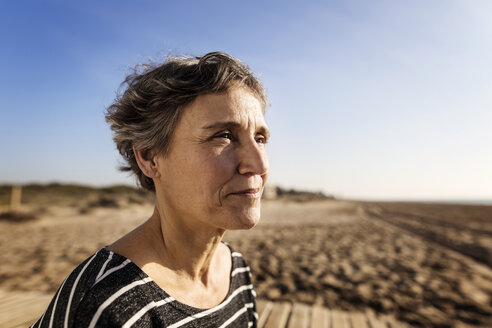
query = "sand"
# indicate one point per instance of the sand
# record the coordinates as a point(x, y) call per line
point(429, 265)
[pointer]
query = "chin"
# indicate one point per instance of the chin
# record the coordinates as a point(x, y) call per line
point(247, 220)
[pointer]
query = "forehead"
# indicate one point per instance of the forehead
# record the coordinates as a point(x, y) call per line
point(237, 105)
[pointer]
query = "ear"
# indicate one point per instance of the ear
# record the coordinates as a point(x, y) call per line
point(146, 162)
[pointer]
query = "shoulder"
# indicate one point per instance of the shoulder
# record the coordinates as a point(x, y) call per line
point(86, 288)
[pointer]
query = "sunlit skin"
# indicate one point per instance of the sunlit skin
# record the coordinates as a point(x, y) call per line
point(211, 180)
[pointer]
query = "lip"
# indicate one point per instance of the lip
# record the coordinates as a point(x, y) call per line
point(248, 193)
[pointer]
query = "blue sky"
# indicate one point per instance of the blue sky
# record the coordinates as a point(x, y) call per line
point(369, 99)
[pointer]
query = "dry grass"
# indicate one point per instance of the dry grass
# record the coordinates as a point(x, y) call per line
point(17, 217)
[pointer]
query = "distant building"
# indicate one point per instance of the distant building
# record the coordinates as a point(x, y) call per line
point(270, 192)
point(275, 192)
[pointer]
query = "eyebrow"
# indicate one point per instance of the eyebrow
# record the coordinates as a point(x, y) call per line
point(232, 124)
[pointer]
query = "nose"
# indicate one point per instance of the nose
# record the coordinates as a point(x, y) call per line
point(253, 159)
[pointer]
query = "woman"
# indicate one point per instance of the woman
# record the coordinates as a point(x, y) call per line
point(193, 132)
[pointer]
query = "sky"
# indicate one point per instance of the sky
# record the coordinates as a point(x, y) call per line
point(378, 99)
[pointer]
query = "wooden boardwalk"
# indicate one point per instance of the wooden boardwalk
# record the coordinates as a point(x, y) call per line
point(297, 315)
point(21, 309)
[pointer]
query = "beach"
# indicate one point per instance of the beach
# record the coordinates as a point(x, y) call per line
point(429, 265)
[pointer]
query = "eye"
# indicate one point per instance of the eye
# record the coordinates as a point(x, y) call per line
point(224, 135)
point(261, 139)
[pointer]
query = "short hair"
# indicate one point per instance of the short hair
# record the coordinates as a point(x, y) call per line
point(147, 112)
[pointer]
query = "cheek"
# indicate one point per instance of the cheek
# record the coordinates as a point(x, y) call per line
point(220, 168)
point(210, 170)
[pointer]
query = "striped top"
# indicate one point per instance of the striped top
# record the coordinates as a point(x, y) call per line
point(109, 290)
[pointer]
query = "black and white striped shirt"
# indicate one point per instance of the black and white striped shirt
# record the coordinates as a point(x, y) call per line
point(108, 290)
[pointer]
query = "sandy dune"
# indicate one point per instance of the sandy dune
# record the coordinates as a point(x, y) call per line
point(429, 265)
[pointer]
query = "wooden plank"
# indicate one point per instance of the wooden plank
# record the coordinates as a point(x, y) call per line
point(320, 317)
point(19, 322)
point(263, 307)
point(260, 306)
point(21, 308)
point(375, 322)
point(393, 323)
point(28, 304)
point(18, 316)
point(18, 300)
point(299, 317)
point(5, 297)
point(12, 299)
point(358, 320)
point(279, 316)
point(15, 198)
point(339, 319)
point(22, 325)
point(264, 310)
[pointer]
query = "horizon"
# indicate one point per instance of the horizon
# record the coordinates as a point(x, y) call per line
point(380, 100)
point(447, 201)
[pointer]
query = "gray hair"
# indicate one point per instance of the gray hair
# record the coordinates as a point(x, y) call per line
point(146, 113)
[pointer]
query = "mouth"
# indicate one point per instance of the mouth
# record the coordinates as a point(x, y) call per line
point(247, 193)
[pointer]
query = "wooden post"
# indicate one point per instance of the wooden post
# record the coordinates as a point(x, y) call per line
point(15, 198)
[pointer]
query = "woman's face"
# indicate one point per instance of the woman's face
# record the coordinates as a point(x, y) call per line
point(217, 165)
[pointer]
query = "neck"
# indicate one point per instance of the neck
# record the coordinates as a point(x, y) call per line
point(188, 250)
